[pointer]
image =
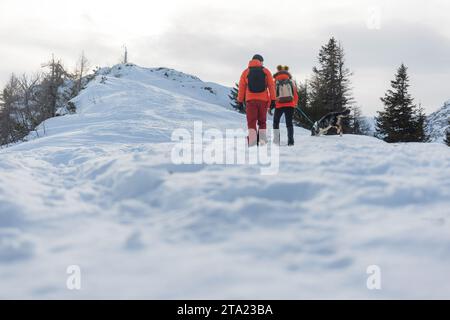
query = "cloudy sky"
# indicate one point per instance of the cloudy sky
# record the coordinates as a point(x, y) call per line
point(215, 39)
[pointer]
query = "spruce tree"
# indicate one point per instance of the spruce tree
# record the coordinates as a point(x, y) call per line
point(233, 97)
point(330, 85)
point(401, 120)
point(419, 133)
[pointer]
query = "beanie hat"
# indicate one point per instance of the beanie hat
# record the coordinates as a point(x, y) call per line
point(258, 57)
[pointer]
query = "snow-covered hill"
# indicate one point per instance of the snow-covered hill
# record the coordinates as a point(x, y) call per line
point(99, 190)
point(172, 80)
point(438, 123)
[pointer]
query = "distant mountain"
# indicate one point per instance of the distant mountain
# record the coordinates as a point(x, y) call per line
point(438, 123)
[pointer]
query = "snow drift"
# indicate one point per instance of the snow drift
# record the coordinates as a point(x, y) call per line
point(98, 190)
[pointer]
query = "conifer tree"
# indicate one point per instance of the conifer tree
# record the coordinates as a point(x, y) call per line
point(330, 85)
point(233, 97)
point(401, 120)
point(304, 106)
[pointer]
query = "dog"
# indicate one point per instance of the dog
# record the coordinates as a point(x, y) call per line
point(331, 120)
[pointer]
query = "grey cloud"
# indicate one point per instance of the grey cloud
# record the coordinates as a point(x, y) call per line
point(216, 46)
point(372, 55)
point(421, 47)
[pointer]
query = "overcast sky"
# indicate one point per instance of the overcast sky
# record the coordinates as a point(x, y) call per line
point(214, 39)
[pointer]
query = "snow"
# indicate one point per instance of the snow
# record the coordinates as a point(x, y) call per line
point(438, 123)
point(98, 189)
point(371, 123)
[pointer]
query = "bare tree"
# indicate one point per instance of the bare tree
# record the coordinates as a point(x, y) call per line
point(51, 83)
point(27, 101)
point(29, 111)
point(82, 69)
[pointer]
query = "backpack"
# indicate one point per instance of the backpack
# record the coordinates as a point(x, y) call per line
point(257, 81)
point(285, 91)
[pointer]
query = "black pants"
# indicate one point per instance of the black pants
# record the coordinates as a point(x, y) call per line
point(288, 114)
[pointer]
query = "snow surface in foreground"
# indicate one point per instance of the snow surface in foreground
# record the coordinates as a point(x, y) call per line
point(99, 191)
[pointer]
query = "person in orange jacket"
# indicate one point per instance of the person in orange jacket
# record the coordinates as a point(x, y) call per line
point(286, 103)
point(257, 90)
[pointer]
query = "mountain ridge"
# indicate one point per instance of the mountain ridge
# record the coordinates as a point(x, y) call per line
point(438, 123)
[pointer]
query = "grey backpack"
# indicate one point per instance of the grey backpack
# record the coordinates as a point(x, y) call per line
point(285, 91)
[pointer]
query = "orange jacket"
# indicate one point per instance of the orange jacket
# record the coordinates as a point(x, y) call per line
point(284, 75)
point(244, 92)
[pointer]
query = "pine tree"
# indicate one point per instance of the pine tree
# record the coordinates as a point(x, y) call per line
point(447, 135)
point(233, 97)
point(303, 105)
point(401, 120)
point(330, 85)
point(420, 123)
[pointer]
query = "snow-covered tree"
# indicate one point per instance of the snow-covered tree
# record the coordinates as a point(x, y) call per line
point(401, 120)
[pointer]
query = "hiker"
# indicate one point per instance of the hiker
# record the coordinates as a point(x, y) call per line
point(257, 90)
point(287, 101)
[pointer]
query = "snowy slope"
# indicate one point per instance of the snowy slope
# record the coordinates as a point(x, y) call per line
point(438, 123)
point(99, 190)
point(172, 80)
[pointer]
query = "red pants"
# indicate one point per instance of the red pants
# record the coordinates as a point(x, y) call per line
point(256, 120)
